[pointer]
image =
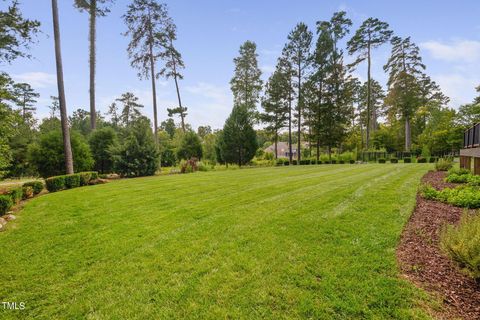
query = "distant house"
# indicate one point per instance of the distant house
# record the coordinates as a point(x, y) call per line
point(282, 149)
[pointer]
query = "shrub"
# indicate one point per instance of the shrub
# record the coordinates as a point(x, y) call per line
point(280, 162)
point(462, 244)
point(433, 159)
point(457, 178)
point(407, 160)
point(333, 161)
point(326, 162)
point(341, 162)
point(16, 194)
point(421, 160)
point(381, 160)
point(27, 192)
point(393, 160)
point(85, 178)
point(443, 165)
point(286, 163)
point(101, 141)
point(474, 180)
point(352, 161)
point(202, 166)
point(459, 171)
point(37, 186)
point(6, 204)
point(294, 162)
point(138, 155)
point(47, 155)
point(189, 166)
point(190, 146)
point(72, 181)
point(465, 197)
point(56, 183)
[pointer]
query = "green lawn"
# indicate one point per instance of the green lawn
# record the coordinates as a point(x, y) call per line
point(269, 243)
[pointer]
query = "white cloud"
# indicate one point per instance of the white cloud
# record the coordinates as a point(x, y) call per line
point(458, 50)
point(36, 79)
point(267, 68)
point(459, 87)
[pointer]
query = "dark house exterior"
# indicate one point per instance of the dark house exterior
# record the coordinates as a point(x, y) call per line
point(471, 149)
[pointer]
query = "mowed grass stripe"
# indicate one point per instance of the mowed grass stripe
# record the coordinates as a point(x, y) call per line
point(296, 242)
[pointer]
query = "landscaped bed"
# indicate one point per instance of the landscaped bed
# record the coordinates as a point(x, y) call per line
point(423, 262)
point(267, 243)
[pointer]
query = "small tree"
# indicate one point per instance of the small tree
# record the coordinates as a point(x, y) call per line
point(47, 154)
point(131, 107)
point(190, 146)
point(102, 141)
point(138, 155)
point(26, 98)
point(237, 142)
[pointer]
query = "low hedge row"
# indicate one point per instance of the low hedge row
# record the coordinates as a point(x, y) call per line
point(70, 181)
point(463, 196)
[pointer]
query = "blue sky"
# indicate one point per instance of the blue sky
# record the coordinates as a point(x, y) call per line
point(210, 33)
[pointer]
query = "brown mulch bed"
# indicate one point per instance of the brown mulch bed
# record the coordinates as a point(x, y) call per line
point(422, 262)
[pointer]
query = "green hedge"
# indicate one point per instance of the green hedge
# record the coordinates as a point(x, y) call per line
point(286, 163)
point(407, 160)
point(37, 186)
point(27, 192)
point(56, 183)
point(393, 160)
point(6, 204)
point(16, 194)
point(72, 180)
point(421, 160)
point(465, 197)
point(352, 161)
point(381, 160)
point(333, 161)
point(433, 159)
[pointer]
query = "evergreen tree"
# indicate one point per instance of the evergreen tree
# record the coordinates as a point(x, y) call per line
point(147, 22)
point(299, 46)
point(237, 143)
point(131, 107)
point(371, 34)
point(246, 83)
point(94, 10)
point(67, 148)
point(115, 117)
point(285, 65)
point(25, 96)
point(102, 142)
point(190, 146)
point(404, 67)
point(275, 104)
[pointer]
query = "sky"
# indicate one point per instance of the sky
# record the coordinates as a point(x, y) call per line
point(210, 33)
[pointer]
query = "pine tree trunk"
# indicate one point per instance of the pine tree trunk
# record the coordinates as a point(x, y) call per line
point(369, 107)
point(154, 94)
point(290, 124)
point(408, 135)
point(93, 15)
point(182, 115)
point(299, 132)
point(276, 144)
point(67, 149)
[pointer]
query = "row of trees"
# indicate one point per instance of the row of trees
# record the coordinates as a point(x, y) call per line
point(313, 92)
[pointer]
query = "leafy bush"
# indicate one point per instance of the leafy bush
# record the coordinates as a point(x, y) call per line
point(465, 197)
point(189, 166)
point(457, 178)
point(37, 186)
point(190, 146)
point(6, 204)
point(421, 160)
point(433, 159)
point(333, 161)
point(459, 171)
point(47, 155)
point(381, 160)
point(474, 180)
point(326, 161)
point(352, 161)
point(286, 162)
point(27, 192)
point(462, 244)
point(294, 162)
point(407, 160)
point(393, 160)
point(56, 183)
point(85, 178)
point(101, 142)
point(443, 164)
point(138, 155)
point(202, 166)
point(72, 181)
point(280, 162)
point(16, 194)
point(341, 161)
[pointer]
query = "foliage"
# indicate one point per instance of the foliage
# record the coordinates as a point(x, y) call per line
point(131, 108)
point(237, 142)
point(462, 196)
point(72, 181)
point(443, 164)
point(382, 160)
point(47, 154)
point(246, 83)
point(421, 160)
point(189, 166)
point(190, 146)
point(6, 204)
point(102, 141)
point(462, 243)
point(407, 160)
point(16, 194)
point(37, 186)
point(394, 160)
point(137, 155)
point(55, 183)
point(27, 192)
